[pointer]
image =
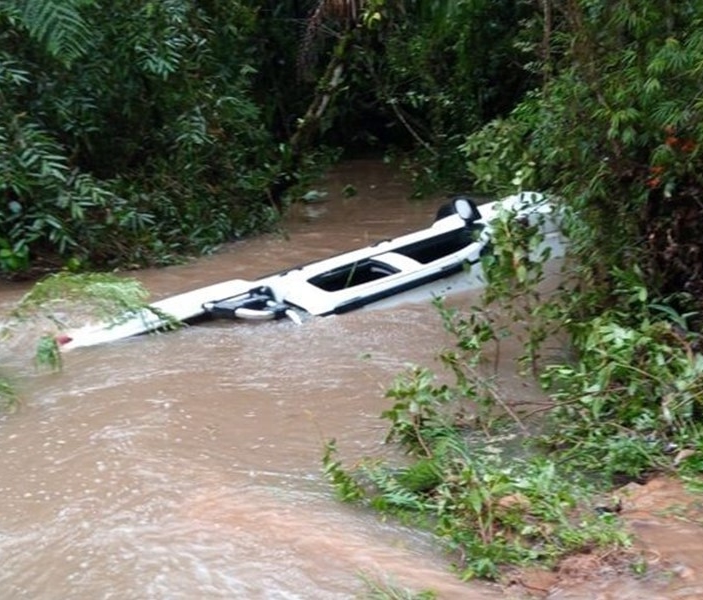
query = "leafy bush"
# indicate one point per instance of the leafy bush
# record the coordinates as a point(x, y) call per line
point(474, 480)
point(53, 210)
point(490, 508)
point(634, 399)
point(615, 132)
point(135, 142)
point(625, 402)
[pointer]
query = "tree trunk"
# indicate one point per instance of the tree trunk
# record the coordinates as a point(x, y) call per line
point(309, 125)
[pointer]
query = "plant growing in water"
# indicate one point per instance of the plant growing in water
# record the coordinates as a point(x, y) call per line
point(633, 399)
point(57, 300)
point(8, 394)
point(491, 507)
point(389, 591)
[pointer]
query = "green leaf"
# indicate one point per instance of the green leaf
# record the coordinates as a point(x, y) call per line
point(58, 24)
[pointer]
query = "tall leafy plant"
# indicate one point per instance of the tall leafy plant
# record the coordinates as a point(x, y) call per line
point(128, 157)
point(59, 26)
point(615, 131)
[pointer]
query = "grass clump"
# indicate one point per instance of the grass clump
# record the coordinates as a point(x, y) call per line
point(8, 394)
point(376, 590)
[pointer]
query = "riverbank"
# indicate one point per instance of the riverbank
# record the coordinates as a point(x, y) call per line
point(665, 561)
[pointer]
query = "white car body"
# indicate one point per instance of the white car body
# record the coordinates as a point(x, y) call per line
point(459, 236)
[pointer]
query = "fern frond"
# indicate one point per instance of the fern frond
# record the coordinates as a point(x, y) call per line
point(57, 24)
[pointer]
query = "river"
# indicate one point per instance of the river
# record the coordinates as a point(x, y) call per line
point(188, 465)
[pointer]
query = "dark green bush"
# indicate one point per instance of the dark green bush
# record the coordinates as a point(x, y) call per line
point(135, 142)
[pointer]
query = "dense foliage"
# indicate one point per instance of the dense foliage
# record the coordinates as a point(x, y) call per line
point(505, 481)
point(128, 131)
point(132, 133)
point(423, 74)
point(615, 130)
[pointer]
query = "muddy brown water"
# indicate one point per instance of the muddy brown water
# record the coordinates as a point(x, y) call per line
point(187, 465)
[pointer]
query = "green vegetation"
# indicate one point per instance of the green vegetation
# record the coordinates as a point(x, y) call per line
point(475, 475)
point(614, 130)
point(106, 295)
point(129, 135)
point(634, 399)
point(140, 134)
point(8, 394)
point(388, 591)
point(136, 135)
point(503, 483)
point(100, 295)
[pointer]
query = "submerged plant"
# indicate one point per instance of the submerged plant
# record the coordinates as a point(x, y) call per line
point(102, 296)
point(57, 300)
point(48, 353)
point(8, 394)
point(104, 293)
point(390, 591)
